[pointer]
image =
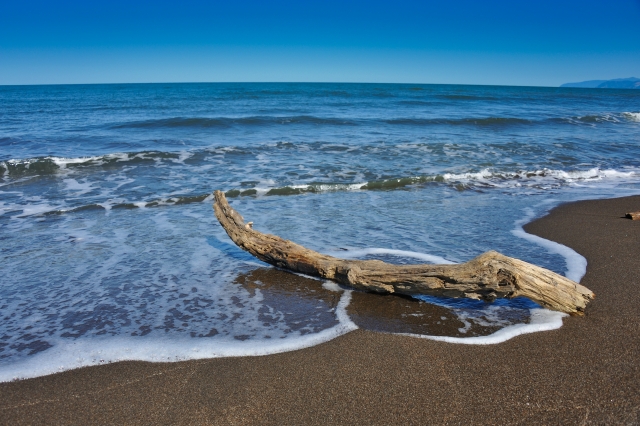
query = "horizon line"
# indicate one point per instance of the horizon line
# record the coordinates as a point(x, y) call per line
point(281, 82)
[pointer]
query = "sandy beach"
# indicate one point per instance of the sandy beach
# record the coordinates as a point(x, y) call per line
point(586, 372)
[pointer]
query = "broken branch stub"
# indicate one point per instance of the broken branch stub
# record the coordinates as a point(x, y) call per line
point(488, 276)
point(633, 215)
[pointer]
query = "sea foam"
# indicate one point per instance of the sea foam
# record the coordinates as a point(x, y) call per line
point(352, 253)
point(576, 263)
point(68, 355)
point(541, 320)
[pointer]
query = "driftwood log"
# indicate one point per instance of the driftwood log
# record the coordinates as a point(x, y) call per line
point(487, 277)
point(633, 215)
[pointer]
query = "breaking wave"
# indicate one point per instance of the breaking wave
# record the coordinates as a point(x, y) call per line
point(169, 201)
point(51, 165)
point(545, 179)
point(612, 118)
point(539, 179)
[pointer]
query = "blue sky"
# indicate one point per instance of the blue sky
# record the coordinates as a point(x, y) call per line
point(541, 42)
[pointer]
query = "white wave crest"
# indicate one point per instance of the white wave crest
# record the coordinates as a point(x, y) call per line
point(481, 175)
point(539, 179)
point(632, 116)
point(590, 174)
point(330, 187)
point(63, 162)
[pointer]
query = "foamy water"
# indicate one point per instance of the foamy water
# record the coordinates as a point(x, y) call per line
point(110, 250)
point(65, 354)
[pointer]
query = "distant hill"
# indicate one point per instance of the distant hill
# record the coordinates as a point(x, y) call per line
point(618, 83)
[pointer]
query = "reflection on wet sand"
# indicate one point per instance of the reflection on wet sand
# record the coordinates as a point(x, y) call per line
point(402, 314)
point(301, 302)
point(398, 314)
point(306, 306)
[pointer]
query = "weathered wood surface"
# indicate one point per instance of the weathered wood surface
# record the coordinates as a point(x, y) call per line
point(634, 215)
point(488, 276)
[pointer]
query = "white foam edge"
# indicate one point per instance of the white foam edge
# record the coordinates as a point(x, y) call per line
point(541, 320)
point(91, 351)
point(352, 253)
point(575, 262)
point(331, 286)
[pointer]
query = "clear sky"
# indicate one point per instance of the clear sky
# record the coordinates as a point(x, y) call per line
point(510, 42)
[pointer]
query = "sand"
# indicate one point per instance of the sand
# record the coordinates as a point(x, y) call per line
point(586, 372)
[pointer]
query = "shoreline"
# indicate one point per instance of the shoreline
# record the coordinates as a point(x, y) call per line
point(585, 371)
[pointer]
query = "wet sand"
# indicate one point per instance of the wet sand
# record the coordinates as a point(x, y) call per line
point(586, 372)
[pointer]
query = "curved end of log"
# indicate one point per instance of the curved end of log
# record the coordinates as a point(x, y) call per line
point(551, 290)
point(486, 277)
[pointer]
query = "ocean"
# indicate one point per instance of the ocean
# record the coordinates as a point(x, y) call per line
point(110, 250)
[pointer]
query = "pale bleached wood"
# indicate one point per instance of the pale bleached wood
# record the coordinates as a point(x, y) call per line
point(488, 276)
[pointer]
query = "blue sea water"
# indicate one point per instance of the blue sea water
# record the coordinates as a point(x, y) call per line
point(110, 250)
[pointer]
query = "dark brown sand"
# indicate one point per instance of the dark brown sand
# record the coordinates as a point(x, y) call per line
point(588, 371)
